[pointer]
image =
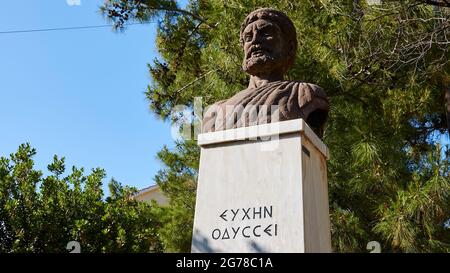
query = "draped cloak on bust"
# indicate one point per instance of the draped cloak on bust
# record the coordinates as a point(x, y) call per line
point(253, 106)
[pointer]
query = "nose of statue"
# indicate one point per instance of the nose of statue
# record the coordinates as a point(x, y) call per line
point(258, 38)
point(255, 44)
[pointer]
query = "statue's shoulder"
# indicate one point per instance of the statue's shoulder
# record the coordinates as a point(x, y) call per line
point(309, 89)
point(220, 102)
point(213, 107)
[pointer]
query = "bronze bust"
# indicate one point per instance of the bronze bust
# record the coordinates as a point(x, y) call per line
point(269, 41)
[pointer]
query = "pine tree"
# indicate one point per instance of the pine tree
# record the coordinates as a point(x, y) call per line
point(385, 69)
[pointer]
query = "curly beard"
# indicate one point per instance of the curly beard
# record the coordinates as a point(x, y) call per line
point(263, 64)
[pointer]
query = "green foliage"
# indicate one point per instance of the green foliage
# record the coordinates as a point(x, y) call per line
point(178, 182)
point(385, 69)
point(42, 214)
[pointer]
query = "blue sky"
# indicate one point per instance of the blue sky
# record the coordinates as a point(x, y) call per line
point(79, 93)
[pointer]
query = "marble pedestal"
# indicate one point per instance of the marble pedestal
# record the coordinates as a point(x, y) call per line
point(262, 189)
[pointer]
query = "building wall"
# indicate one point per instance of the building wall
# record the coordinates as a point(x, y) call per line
point(152, 194)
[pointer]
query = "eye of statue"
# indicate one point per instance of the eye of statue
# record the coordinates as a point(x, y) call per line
point(248, 37)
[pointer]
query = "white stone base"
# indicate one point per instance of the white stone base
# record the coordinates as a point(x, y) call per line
point(262, 195)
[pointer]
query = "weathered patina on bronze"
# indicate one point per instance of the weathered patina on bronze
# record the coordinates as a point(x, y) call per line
point(269, 41)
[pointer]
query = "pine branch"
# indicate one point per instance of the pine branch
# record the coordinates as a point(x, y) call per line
point(442, 3)
point(196, 80)
point(192, 15)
